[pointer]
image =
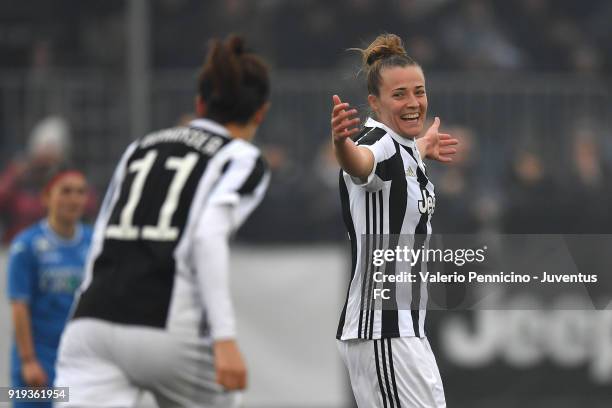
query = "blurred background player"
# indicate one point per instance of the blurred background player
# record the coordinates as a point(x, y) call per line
point(23, 178)
point(384, 189)
point(155, 311)
point(45, 268)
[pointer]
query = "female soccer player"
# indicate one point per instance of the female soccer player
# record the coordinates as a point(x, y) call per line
point(385, 189)
point(155, 311)
point(45, 268)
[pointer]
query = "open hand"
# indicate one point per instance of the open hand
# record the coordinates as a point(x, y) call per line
point(343, 122)
point(438, 146)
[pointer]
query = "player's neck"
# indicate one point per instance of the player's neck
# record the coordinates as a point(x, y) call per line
point(245, 132)
point(63, 229)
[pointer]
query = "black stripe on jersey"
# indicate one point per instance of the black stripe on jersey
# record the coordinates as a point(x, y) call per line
point(259, 170)
point(369, 136)
point(225, 166)
point(365, 276)
point(380, 382)
point(348, 221)
point(384, 361)
point(398, 200)
point(380, 246)
point(392, 371)
point(376, 231)
point(420, 234)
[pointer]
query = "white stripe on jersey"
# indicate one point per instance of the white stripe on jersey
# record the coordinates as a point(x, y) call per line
point(397, 198)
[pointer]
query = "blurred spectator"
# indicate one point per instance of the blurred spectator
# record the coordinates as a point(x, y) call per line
point(22, 180)
point(280, 218)
point(462, 203)
point(587, 189)
point(533, 203)
point(323, 209)
point(474, 36)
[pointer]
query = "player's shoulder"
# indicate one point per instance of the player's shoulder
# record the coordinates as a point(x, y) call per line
point(370, 135)
point(26, 239)
point(244, 153)
point(242, 149)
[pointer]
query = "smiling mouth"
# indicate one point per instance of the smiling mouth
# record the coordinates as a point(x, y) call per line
point(410, 117)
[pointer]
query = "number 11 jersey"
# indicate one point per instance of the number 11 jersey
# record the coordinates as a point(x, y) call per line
point(140, 268)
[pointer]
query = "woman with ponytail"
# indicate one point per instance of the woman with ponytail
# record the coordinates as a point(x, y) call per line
point(388, 200)
point(154, 311)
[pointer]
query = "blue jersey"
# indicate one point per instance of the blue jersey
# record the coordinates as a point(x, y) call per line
point(44, 271)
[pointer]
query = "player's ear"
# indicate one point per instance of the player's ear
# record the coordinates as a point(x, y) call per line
point(373, 102)
point(200, 106)
point(260, 114)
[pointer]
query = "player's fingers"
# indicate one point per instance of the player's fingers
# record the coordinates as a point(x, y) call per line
point(341, 128)
point(336, 100)
point(232, 379)
point(242, 380)
point(448, 139)
point(351, 132)
point(446, 143)
point(436, 122)
point(448, 150)
point(345, 133)
point(339, 109)
point(342, 116)
point(342, 133)
point(39, 381)
point(347, 123)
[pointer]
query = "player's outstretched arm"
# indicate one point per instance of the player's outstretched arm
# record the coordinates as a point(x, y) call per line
point(437, 146)
point(356, 161)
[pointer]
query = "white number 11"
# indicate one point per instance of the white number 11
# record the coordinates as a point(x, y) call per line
point(163, 231)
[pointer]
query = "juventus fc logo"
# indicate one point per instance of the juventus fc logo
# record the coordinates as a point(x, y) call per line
point(427, 205)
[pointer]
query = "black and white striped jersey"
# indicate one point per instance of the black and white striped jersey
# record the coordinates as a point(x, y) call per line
point(397, 198)
point(142, 267)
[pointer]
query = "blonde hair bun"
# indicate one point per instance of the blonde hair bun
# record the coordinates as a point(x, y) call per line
point(385, 45)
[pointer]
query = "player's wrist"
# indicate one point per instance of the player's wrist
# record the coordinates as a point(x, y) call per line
point(28, 359)
point(224, 341)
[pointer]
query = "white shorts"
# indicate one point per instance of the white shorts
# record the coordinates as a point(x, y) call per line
point(108, 365)
point(393, 373)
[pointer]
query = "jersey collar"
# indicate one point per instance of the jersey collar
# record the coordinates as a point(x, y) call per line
point(57, 239)
point(399, 139)
point(209, 125)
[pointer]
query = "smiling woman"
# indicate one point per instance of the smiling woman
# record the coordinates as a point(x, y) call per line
point(384, 189)
point(46, 266)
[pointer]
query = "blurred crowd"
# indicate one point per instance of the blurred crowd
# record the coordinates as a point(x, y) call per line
point(23, 179)
point(543, 35)
point(557, 183)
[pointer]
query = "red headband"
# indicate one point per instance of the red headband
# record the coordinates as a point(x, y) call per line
point(59, 176)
